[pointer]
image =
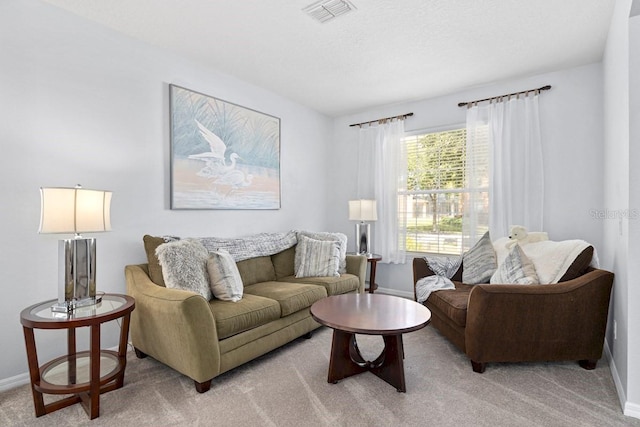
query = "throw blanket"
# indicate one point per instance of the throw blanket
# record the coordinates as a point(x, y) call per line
point(445, 268)
point(241, 248)
point(551, 259)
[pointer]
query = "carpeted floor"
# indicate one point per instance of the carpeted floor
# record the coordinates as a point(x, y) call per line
point(288, 387)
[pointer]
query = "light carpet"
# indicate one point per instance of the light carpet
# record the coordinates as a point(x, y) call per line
point(288, 387)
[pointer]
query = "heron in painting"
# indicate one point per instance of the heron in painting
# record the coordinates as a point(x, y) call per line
point(215, 161)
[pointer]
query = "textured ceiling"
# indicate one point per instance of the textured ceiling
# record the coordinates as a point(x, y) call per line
point(384, 52)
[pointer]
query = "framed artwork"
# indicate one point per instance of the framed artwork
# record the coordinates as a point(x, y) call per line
point(223, 156)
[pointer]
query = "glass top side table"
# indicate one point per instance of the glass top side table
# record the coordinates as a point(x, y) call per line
point(86, 374)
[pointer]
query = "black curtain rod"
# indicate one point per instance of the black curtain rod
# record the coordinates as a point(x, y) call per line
point(400, 117)
point(547, 87)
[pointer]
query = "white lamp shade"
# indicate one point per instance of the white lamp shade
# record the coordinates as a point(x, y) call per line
point(363, 210)
point(74, 210)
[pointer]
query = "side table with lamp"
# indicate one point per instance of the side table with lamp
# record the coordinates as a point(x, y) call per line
point(363, 210)
point(83, 375)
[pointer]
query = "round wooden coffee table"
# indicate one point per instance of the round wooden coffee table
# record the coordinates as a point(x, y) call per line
point(369, 314)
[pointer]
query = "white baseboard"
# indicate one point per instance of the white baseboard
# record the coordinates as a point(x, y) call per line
point(22, 379)
point(629, 409)
point(13, 382)
point(403, 294)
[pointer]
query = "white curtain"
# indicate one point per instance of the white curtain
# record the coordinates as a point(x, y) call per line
point(516, 175)
point(382, 172)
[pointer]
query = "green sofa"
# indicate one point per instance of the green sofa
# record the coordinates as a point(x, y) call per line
point(202, 339)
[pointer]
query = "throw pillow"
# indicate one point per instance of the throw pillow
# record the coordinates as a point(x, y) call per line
point(224, 276)
point(479, 262)
point(579, 265)
point(323, 235)
point(184, 266)
point(516, 269)
point(318, 258)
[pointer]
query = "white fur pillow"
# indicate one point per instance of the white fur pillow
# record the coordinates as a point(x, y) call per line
point(226, 283)
point(183, 265)
point(317, 258)
point(516, 269)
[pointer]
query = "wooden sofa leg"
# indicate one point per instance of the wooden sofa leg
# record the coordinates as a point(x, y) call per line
point(139, 354)
point(478, 367)
point(588, 364)
point(202, 387)
point(307, 336)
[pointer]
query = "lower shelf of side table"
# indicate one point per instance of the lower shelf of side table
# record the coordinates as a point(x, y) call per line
point(71, 374)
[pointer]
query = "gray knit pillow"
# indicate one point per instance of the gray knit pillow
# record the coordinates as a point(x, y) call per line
point(479, 263)
point(224, 276)
point(516, 269)
point(324, 235)
point(184, 266)
point(318, 258)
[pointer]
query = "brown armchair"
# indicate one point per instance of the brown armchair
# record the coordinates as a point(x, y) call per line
point(523, 323)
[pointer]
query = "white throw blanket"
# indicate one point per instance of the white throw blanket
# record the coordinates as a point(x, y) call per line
point(444, 269)
point(551, 259)
point(262, 244)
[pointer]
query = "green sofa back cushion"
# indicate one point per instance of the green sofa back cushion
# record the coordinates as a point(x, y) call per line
point(155, 270)
point(256, 270)
point(283, 262)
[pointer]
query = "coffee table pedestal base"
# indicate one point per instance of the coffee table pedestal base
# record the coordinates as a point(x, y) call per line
point(346, 360)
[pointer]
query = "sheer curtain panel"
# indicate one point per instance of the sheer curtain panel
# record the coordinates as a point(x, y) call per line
point(516, 177)
point(382, 172)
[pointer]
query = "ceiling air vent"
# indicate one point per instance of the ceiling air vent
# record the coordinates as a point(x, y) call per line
point(326, 10)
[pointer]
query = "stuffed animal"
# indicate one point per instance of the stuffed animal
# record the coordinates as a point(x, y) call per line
point(520, 236)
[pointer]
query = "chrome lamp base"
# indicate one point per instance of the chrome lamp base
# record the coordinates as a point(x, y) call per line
point(363, 241)
point(76, 275)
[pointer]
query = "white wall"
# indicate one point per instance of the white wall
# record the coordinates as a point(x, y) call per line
point(82, 104)
point(571, 127)
point(633, 385)
point(621, 64)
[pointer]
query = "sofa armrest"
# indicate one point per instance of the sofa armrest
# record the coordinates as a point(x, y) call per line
point(357, 265)
point(539, 322)
point(420, 269)
point(173, 326)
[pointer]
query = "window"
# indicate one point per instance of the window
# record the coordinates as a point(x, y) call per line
point(441, 193)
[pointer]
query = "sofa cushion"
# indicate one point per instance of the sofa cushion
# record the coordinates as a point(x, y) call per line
point(256, 270)
point(479, 262)
point(235, 317)
point(317, 258)
point(151, 243)
point(283, 263)
point(224, 277)
point(292, 297)
point(516, 269)
point(343, 284)
point(452, 303)
point(184, 266)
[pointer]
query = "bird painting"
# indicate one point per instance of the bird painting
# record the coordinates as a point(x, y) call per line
point(224, 156)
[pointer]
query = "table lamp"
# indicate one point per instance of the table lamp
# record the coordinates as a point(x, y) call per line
point(363, 210)
point(75, 210)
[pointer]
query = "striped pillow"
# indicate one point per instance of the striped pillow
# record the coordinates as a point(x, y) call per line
point(516, 269)
point(224, 276)
point(479, 263)
point(318, 258)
